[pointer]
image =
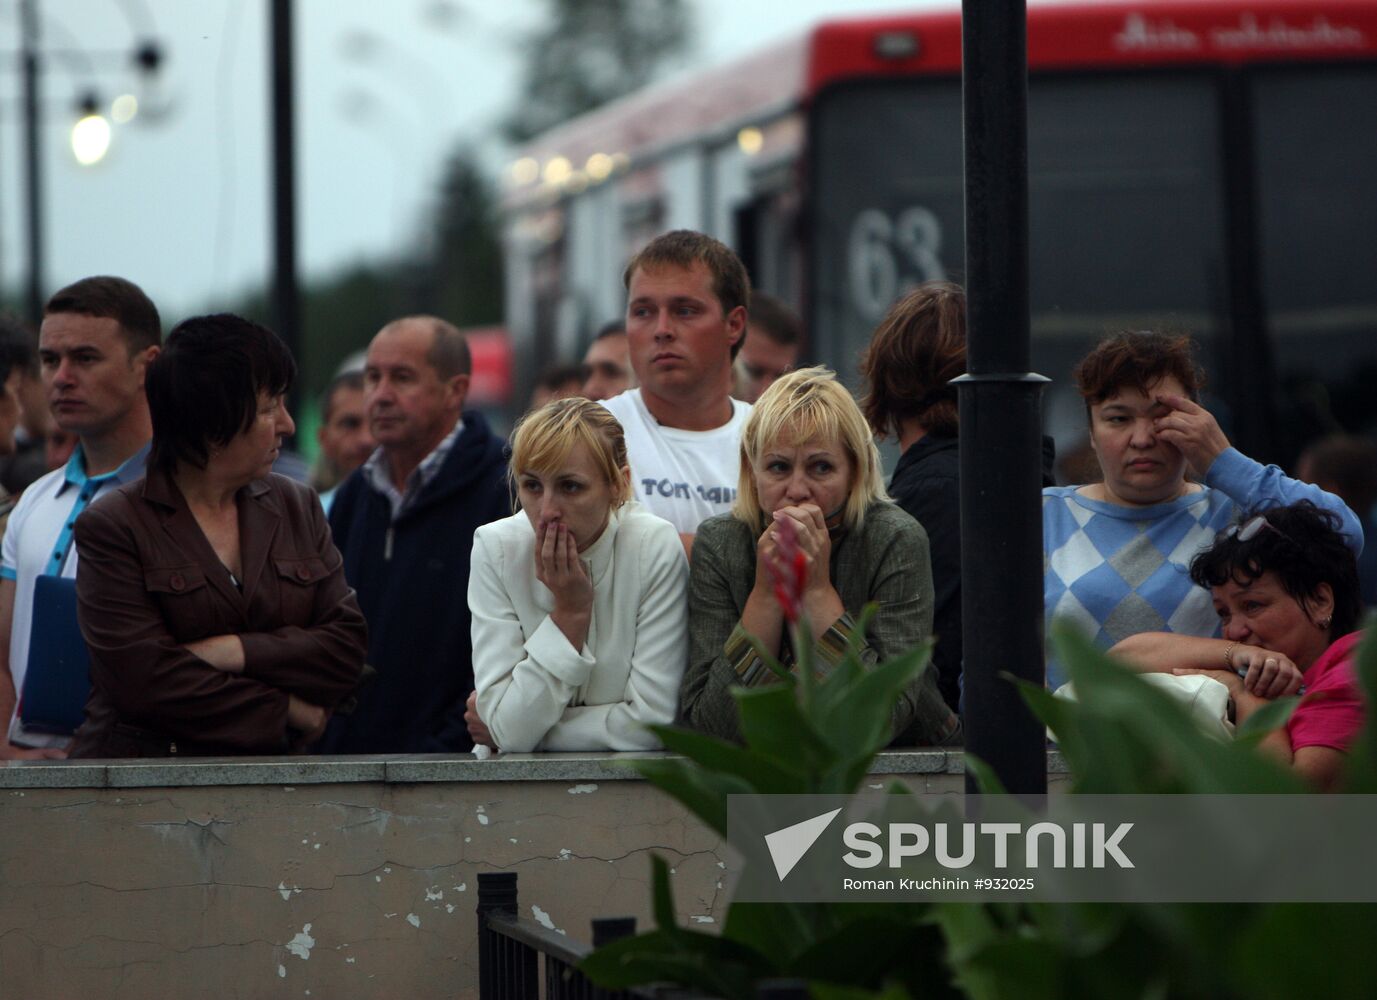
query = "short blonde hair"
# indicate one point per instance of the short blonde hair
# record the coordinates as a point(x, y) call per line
point(544, 437)
point(801, 406)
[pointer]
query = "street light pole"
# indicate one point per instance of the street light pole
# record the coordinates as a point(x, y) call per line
point(286, 293)
point(1000, 406)
point(33, 176)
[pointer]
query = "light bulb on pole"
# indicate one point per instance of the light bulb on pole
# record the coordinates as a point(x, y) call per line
point(91, 133)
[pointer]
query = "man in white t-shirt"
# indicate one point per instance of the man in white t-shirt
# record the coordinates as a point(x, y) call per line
point(97, 338)
point(687, 296)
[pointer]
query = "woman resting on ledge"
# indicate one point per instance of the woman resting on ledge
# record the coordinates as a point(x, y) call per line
point(210, 594)
point(577, 599)
point(808, 460)
point(1285, 587)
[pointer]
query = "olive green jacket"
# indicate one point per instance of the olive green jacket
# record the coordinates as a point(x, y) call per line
point(885, 561)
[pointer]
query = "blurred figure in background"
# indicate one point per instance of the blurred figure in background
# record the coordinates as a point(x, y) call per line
point(26, 461)
point(608, 363)
point(915, 352)
point(16, 357)
point(343, 435)
point(1347, 467)
point(774, 335)
point(559, 382)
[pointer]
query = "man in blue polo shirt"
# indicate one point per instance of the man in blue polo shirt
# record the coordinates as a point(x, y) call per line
point(97, 338)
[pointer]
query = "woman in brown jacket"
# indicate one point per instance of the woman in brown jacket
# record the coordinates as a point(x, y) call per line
point(210, 594)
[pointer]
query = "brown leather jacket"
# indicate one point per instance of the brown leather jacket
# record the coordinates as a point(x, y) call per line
point(149, 582)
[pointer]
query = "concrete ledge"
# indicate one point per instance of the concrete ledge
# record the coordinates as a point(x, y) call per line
point(397, 770)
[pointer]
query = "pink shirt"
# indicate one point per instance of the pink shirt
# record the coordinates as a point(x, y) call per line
point(1331, 713)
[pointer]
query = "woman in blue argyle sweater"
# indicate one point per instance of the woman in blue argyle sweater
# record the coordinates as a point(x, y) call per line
point(1117, 553)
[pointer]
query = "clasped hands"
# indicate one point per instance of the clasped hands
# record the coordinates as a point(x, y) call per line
point(821, 605)
point(1267, 673)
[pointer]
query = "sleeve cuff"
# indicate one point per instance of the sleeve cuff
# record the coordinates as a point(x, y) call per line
point(7, 573)
point(832, 645)
point(552, 651)
point(740, 652)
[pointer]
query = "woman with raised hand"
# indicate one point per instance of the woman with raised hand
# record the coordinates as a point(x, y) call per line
point(809, 469)
point(1117, 553)
point(577, 599)
point(210, 594)
point(1284, 587)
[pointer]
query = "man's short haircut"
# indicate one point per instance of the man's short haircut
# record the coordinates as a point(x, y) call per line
point(203, 387)
point(612, 328)
point(1136, 360)
point(683, 248)
point(106, 297)
point(1303, 547)
point(915, 352)
point(449, 350)
point(773, 317)
point(344, 380)
point(544, 437)
point(16, 348)
point(800, 406)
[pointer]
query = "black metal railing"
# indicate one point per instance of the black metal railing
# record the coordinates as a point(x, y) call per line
point(519, 959)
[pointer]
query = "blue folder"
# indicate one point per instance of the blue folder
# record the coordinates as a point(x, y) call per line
point(58, 679)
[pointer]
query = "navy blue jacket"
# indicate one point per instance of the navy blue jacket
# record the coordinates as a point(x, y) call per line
point(413, 589)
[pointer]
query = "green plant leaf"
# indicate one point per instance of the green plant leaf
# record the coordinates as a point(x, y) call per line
point(1360, 772)
point(765, 775)
point(704, 793)
point(1273, 715)
point(718, 965)
point(772, 724)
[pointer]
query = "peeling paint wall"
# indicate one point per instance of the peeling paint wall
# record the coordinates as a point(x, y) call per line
point(354, 890)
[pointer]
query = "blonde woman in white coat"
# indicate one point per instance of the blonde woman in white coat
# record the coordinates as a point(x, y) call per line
point(580, 620)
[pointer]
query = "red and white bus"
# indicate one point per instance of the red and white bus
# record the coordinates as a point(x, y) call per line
point(1209, 166)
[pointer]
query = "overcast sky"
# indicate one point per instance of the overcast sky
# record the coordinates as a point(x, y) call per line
point(386, 90)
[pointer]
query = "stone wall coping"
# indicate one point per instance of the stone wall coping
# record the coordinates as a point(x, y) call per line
point(398, 769)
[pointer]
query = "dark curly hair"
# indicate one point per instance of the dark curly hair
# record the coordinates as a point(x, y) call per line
point(1135, 359)
point(1306, 550)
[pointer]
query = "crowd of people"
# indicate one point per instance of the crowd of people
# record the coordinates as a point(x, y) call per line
point(612, 566)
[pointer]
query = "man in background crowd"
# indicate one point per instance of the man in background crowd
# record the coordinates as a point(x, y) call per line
point(343, 436)
point(16, 358)
point(608, 363)
point(774, 335)
point(97, 338)
point(404, 522)
point(1347, 467)
point(559, 382)
point(26, 461)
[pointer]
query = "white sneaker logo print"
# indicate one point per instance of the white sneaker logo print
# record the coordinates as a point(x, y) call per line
point(789, 845)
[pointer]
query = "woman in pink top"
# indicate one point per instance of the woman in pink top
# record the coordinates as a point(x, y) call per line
point(1285, 586)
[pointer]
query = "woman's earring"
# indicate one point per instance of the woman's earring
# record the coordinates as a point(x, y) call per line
point(1322, 625)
